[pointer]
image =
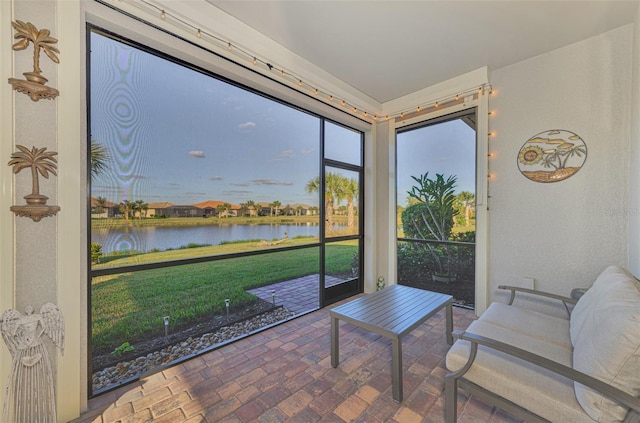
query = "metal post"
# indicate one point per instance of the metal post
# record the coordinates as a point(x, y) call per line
point(166, 326)
point(226, 303)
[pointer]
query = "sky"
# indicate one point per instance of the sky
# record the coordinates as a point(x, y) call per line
point(180, 136)
point(447, 148)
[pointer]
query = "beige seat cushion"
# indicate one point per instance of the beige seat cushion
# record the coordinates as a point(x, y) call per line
point(538, 390)
point(531, 323)
point(605, 332)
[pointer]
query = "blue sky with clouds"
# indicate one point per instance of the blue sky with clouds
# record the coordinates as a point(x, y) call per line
point(177, 135)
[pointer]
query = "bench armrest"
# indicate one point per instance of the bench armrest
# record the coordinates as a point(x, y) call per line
point(514, 289)
point(605, 389)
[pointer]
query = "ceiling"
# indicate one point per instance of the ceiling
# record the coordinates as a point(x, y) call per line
point(388, 49)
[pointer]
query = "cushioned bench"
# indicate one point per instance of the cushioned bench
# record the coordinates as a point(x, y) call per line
point(543, 368)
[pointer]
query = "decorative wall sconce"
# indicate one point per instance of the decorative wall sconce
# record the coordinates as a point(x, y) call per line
point(40, 161)
point(34, 84)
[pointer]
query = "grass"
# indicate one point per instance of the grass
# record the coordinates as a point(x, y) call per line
point(130, 306)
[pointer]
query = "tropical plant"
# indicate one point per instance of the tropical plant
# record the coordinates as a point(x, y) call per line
point(253, 208)
point(431, 217)
point(466, 200)
point(99, 158)
point(141, 208)
point(40, 161)
point(334, 193)
point(125, 208)
point(28, 33)
point(351, 191)
point(96, 252)
point(275, 207)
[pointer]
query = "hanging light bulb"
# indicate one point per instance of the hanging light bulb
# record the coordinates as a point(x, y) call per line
point(437, 104)
point(163, 15)
point(198, 34)
point(457, 97)
point(418, 108)
point(255, 60)
point(300, 82)
point(229, 46)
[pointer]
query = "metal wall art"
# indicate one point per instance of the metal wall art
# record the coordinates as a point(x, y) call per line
point(39, 160)
point(34, 84)
point(30, 395)
point(552, 156)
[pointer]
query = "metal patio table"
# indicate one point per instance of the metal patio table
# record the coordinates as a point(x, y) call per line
point(391, 312)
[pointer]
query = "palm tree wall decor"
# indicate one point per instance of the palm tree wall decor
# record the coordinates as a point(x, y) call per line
point(34, 85)
point(41, 161)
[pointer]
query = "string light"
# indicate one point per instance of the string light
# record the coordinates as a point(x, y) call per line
point(240, 52)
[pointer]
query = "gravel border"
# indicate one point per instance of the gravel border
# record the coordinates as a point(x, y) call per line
point(126, 371)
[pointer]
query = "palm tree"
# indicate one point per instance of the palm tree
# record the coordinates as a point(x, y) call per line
point(467, 200)
point(298, 210)
point(40, 161)
point(220, 210)
point(253, 210)
point(101, 202)
point(244, 209)
point(125, 208)
point(28, 33)
point(275, 207)
point(140, 207)
point(351, 192)
point(99, 158)
point(333, 193)
point(227, 209)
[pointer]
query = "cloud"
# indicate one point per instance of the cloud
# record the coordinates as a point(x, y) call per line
point(216, 178)
point(240, 184)
point(199, 194)
point(309, 151)
point(198, 154)
point(247, 125)
point(270, 182)
point(236, 191)
point(288, 153)
point(555, 132)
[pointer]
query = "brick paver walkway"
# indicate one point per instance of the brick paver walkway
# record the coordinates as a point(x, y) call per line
point(297, 295)
point(284, 374)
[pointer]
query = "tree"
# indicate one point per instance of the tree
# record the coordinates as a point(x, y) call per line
point(431, 217)
point(467, 200)
point(40, 161)
point(334, 193)
point(99, 158)
point(220, 210)
point(351, 189)
point(253, 210)
point(140, 207)
point(298, 210)
point(101, 202)
point(125, 208)
point(244, 209)
point(227, 209)
point(275, 207)
point(287, 210)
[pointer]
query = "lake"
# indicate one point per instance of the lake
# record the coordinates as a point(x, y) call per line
point(146, 238)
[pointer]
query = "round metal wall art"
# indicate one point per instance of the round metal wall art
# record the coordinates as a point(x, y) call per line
point(552, 156)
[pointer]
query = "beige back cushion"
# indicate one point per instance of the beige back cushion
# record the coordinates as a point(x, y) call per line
point(605, 333)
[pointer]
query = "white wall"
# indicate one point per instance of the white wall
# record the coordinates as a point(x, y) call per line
point(634, 174)
point(564, 233)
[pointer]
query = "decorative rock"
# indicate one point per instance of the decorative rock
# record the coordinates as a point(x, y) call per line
point(122, 371)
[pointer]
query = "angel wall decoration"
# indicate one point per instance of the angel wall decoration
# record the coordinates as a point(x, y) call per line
point(30, 396)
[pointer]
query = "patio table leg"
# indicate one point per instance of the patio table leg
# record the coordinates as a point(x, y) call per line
point(396, 369)
point(335, 353)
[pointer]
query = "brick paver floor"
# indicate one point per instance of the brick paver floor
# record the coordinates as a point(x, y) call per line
point(284, 374)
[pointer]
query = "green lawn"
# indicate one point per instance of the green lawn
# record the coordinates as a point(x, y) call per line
point(129, 306)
